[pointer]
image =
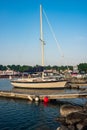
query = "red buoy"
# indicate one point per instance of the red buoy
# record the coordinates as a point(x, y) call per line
point(46, 100)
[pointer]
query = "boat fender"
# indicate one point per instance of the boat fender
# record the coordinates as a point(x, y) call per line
point(46, 99)
point(30, 98)
point(37, 98)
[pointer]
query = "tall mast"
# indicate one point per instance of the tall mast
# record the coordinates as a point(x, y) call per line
point(41, 38)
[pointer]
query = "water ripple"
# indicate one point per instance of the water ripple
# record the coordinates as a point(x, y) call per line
point(22, 115)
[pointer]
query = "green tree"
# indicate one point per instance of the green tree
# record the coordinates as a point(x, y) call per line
point(82, 67)
point(3, 67)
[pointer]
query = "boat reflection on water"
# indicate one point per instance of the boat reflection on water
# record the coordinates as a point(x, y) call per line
point(38, 91)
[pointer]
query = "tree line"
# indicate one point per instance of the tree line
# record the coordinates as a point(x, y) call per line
point(82, 67)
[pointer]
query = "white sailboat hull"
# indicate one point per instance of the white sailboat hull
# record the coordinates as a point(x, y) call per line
point(36, 85)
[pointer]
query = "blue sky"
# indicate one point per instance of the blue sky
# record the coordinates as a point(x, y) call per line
point(20, 32)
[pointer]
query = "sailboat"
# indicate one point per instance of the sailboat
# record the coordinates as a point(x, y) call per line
point(39, 82)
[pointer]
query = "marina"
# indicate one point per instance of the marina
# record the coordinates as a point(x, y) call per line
point(43, 86)
point(52, 94)
point(21, 104)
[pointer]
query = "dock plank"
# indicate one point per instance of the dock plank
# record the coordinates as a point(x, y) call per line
point(8, 94)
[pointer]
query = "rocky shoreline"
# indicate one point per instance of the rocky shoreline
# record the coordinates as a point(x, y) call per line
point(73, 117)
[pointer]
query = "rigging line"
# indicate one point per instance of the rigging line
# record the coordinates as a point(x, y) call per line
point(54, 36)
point(59, 48)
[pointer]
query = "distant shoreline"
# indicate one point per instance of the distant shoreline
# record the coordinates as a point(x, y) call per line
point(7, 76)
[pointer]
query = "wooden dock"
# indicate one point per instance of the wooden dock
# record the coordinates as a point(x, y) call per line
point(31, 97)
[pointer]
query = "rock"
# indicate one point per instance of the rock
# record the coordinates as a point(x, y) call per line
point(63, 127)
point(61, 119)
point(82, 125)
point(67, 109)
point(75, 117)
point(71, 127)
point(84, 128)
point(58, 128)
point(79, 126)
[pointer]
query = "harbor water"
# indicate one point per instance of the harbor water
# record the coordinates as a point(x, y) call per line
point(18, 114)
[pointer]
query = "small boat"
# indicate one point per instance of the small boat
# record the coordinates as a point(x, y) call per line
point(39, 82)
